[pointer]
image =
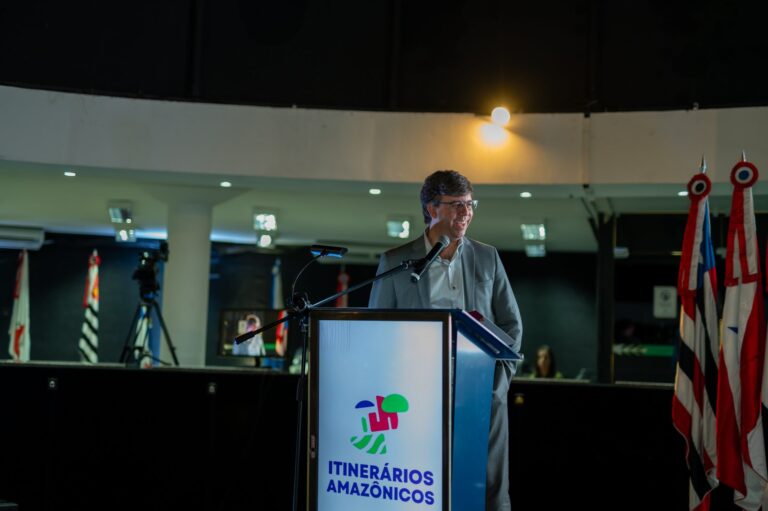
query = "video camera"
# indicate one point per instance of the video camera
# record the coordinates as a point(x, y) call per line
point(146, 273)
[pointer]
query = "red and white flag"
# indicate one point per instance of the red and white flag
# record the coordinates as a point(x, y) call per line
point(20, 342)
point(740, 446)
point(281, 331)
point(695, 399)
point(342, 283)
point(88, 345)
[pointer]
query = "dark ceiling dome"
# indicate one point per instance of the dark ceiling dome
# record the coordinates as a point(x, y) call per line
point(430, 55)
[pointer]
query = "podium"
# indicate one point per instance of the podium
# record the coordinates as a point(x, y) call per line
point(399, 408)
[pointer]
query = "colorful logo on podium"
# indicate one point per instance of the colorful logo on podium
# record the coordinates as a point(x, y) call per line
point(382, 418)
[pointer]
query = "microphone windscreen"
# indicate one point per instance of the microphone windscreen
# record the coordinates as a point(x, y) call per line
point(327, 250)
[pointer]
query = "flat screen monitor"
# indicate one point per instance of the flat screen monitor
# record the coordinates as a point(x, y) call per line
point(235, 322)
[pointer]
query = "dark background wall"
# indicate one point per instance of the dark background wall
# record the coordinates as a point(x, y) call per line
point(57, 274)
point(455, 55)
point(557, 299)
point(556, 295)
point(651, 240)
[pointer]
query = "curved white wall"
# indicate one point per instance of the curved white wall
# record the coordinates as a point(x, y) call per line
point(97, 131)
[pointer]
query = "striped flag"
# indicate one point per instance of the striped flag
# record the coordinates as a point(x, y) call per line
point(89, 337)
point(281, 331)
point(141, 347)
point(695, 399)
point(20, 341)
point(342, 283)
point(740, 444)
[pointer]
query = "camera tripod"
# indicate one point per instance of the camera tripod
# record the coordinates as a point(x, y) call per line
point(139, 332)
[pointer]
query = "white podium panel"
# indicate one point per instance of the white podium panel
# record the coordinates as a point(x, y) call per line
point(380, 431)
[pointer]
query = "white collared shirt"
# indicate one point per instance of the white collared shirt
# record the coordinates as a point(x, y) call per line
point(446, 284)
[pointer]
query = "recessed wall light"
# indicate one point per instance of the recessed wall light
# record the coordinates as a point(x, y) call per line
point(375, 191)
point(399, 227)
point(120, 212)
point(125, 234)
point(264, 240)
point(533, 231)
point(225, 184)
point(526, 195)
point(683, 193)
point(69, 173)
point(537, 250)
point(264, 221)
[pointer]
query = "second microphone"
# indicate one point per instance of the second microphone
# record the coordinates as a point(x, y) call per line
point(422, 265)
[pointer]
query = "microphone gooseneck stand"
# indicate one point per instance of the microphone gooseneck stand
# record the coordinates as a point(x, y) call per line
point(300, 307)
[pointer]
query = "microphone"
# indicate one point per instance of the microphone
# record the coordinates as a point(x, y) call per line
point(327, 250)
point(423, 264)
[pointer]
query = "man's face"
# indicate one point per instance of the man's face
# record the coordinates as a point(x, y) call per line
point(449, 218)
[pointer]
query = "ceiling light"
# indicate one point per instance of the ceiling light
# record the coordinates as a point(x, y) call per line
point(500, 116)
point(120, 212)
point(533, 231)
point(264, 240)
point(538, 250)
point(264, 220)
point(69, 173)
point(265, 225)
point(620, 252)
point(374, 191)
point(125, 234)
point(399, 228)
point(225, 184)
point(526, 195)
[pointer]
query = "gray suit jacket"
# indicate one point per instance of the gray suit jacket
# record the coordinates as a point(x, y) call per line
point(486, 290)
point(486, 286)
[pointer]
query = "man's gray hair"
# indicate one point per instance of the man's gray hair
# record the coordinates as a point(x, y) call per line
point(442, 182)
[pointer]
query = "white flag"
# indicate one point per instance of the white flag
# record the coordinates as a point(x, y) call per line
point(19, 329)
point(281, 331)
point(89, 338)
point(740, 445)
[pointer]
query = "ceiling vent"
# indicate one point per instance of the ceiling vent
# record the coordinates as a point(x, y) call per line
point(30, 238)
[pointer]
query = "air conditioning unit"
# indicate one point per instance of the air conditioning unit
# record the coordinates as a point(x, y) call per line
point(30, 238)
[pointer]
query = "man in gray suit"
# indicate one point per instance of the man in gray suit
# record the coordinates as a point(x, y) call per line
point(466, 275)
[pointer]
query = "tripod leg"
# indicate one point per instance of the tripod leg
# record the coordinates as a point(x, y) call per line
point(142, 350)
point(171, 347)
point(131, 334)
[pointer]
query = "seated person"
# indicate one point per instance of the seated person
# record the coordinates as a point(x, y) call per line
point(253, 347)
point(545, 364)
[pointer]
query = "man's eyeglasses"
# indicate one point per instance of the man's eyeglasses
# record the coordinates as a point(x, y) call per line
point(457, 204)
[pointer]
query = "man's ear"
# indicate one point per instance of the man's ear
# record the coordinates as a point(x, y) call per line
point(432, 210)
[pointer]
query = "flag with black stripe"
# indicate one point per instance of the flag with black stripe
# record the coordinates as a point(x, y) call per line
point(694, 403)
point(88, 346)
